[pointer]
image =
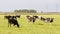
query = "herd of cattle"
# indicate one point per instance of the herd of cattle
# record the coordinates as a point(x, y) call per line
point(13, 19)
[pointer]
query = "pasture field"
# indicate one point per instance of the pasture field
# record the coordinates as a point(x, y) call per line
point(39, 27)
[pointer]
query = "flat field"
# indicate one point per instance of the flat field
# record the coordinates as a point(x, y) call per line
point(39, 27)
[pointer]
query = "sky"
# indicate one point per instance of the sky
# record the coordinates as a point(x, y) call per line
point(39, 5)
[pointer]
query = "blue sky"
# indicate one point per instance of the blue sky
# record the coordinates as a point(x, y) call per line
point(39, 5)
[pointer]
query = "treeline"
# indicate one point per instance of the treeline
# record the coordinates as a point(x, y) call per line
point(26, 11)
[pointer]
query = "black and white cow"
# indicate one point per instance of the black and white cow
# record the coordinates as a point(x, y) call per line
point(12, 20)
point(32, 19)
point(47, 19)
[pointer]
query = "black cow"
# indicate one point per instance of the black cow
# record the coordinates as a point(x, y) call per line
point(12, 20)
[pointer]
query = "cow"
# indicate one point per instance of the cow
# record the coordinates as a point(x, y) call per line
point(12, 20)
point(47, 19)
point(32, 19)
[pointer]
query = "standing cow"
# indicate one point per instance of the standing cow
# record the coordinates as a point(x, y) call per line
point(12, 20)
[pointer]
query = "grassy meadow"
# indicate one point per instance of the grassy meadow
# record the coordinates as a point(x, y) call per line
point(39, 27)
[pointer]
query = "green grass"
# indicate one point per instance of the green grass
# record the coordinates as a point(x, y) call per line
point(39, 27)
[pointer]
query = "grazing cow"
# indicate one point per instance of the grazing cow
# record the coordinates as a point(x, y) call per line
point(47, 19)
point(12, 20)
point(32, 19)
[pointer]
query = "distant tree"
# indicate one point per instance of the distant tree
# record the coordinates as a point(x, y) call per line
point(41, 11)
point(16, 10)
point(26, 11)
point(33, 11)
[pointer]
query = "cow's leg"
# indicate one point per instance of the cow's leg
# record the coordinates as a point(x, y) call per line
point(8, 24)
point(29, 21)
point(44, 20)
point(17, 24)
point(50, 22)
point(33, 20)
